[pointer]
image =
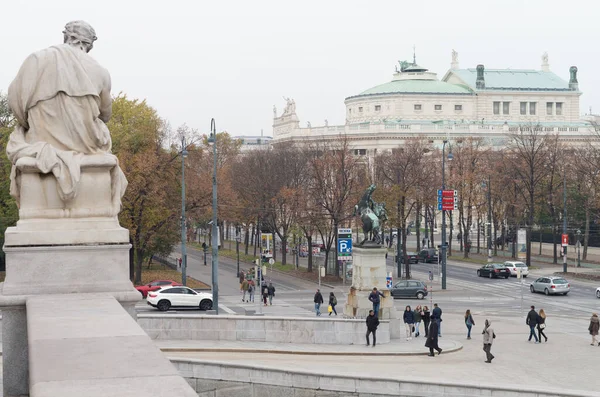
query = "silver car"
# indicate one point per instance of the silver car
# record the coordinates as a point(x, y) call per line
point(551, 285)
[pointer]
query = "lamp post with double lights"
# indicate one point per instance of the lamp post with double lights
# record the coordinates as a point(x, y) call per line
point(215, 231)
point(444, 246)
point(184, 154)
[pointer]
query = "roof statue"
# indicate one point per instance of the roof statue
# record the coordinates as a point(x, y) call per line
point(308, 125)
point(274, 111)
point(290, 106)
point(454, 64)
point(545, 64)
point(61, 100)
point(326, 123)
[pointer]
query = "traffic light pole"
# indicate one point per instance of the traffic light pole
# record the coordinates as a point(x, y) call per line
point(444, 218)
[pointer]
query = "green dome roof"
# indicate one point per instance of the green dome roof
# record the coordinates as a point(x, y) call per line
point(415, 87)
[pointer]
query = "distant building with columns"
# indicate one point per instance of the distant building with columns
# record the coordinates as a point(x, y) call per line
point(472, 102)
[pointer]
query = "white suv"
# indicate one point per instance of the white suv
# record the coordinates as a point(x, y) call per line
point(514, 265)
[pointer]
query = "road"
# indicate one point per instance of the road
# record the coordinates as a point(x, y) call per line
point(465, 291)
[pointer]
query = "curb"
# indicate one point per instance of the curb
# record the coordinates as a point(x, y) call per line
point(304, 353)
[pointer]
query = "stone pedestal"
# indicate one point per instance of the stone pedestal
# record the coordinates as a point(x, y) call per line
point(368, 272)
point(60, 248)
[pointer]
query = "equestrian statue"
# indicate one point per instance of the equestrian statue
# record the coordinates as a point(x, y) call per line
point(372, 215)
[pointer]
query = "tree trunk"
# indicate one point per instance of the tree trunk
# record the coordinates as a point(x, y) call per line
point(541, 238)
point(554, 241)
point(337, 262)
point(252, 235)
point(139, 259)
point(284, 249)
point(478, 233)
point(450, 236)
point(431, 228)
point(255, 239)
point(273, 248)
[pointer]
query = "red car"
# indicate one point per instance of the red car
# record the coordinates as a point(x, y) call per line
point(155, 285)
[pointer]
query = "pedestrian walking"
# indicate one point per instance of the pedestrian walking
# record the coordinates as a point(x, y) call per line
point(542, 325)
point(244, 289)
point(426, 319)
point(251, 291)
point(532, 321)
point(469, 322)
point(488, 339)
point(332, 303)
point(372, 324)
point(593, 328)
point(409, 322)
point(242, 277)
point(271, 290)
point(318, 301)
point(374, 297)
point(432, 339)
point(436, 316)
point(265, 294)
point(418, 315)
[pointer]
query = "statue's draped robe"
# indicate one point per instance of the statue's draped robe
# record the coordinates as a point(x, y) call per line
point(61, 100)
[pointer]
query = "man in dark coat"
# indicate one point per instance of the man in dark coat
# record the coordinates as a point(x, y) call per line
point(436, 317)
point(318, 301)
point(532, 321)
point(432, 339)
point(372, 324)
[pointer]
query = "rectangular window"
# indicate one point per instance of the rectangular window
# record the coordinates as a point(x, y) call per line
point(505, 107)
point(559, 108)
point(523, 107)
point(349, 110)
point(377, 108)
point(458, 107)
point(438, 107)
point(549, 108)
point(417, 107)
point(496, 107)
point(360, 109)
point(532, 108)
point(360, 152)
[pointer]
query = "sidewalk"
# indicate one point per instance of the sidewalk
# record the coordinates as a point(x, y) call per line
point(565, 364)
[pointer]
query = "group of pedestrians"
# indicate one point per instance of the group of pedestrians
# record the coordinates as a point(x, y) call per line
point(248, 287)
point(318, 300)
point(413, 318)
point(536, 321)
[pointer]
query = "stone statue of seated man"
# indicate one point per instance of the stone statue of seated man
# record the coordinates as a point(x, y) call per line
point(61, 100)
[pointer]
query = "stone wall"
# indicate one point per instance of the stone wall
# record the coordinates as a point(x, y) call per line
point(299, 330)
point(213, 379)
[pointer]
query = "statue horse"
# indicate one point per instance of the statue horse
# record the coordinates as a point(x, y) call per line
point(371, 214)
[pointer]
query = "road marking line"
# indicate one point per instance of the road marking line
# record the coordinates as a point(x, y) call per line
point(226, 309)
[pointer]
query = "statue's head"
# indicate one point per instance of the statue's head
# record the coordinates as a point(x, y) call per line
point(81, 34)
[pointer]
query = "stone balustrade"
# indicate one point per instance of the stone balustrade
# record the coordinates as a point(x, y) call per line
point(260, 328)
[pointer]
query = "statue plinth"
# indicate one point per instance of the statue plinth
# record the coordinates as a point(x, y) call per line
point(67, 246)
point(368, 272)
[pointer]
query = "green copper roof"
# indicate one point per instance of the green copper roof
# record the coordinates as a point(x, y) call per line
point(522, 80)
point(415, 87)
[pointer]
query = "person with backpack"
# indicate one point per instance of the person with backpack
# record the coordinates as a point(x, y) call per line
point(332, 303)
point(469, 322)
point(271, 291)
point(372, 324)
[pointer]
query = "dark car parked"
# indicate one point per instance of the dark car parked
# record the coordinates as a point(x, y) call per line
point(492, 270)
point(428, 255)
point(409, 289)
point(413, 257)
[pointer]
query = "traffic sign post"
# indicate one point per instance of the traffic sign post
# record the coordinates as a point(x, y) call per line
point(447, 200)
point(388, 281)
point(344, 247)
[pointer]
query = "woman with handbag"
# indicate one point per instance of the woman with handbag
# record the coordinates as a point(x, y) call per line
point(541, 326)
point(332, 303)
point(417, 314)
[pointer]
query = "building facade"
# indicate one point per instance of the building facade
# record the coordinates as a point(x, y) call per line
point(472, 102)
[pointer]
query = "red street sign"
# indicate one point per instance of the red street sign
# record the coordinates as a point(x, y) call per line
point(565, 240)
point(447, 193)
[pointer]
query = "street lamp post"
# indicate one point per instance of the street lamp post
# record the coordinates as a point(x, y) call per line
point(184, 154)
point(450, 157)
point(565, 219)
point(237, 248)
point(578, 248)
point(489, 220)
point(215, 238)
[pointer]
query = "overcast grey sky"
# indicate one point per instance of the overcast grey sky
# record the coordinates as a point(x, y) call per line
point(233, 60)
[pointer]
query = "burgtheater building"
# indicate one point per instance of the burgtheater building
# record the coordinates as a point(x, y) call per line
point(473, 102)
